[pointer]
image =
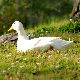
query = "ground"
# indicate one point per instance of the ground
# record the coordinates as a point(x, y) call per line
point(40, 65)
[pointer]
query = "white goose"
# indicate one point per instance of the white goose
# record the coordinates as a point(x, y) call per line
point(24, 44)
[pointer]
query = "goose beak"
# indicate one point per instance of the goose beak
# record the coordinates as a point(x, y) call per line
point(10, 28)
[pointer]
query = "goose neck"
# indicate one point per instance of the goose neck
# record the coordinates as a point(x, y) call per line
point(22, 35)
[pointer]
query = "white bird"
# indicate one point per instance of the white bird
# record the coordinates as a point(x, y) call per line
point(42, 43)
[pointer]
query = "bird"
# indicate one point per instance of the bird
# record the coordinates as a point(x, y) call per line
point(42, 43)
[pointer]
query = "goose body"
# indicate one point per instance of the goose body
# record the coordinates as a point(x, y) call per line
point(24, 44)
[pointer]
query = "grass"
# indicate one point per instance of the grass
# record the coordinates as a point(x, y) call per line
point(39, 65)
point(52, 23)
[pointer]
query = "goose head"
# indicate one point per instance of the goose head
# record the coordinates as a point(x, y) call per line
point(17, 25)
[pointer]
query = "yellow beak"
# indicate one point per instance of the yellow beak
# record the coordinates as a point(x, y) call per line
point(10, 28)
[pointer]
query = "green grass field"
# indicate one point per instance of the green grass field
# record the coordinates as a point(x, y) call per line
point(40, 65)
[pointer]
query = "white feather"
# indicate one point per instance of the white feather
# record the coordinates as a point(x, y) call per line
point(24, 44)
